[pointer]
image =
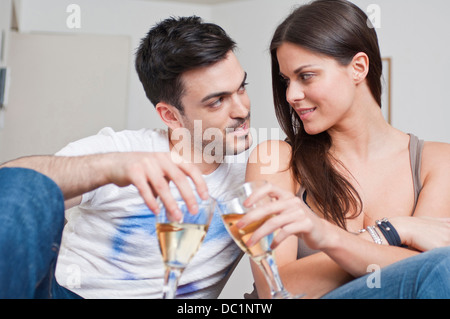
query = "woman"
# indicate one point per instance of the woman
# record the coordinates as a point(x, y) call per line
point(347, 167)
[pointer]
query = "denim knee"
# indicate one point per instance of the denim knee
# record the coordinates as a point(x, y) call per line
point(31, 223)
point(25, 191)
point(435, 274)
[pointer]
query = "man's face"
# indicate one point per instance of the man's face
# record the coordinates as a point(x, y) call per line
point(216, 105)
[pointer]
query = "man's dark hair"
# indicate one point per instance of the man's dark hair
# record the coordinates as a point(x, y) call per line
point(174, 46)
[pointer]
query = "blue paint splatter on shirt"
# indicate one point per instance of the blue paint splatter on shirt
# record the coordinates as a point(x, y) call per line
point(145, 220)
point(130, 225)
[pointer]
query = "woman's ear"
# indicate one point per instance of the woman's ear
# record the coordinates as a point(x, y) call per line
point(169, 114)
point(360, 67)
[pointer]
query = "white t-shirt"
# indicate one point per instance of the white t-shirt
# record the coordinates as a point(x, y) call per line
point(109, 247)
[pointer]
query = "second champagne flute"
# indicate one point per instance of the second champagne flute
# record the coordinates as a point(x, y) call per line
point(232, 210)
point(180, 240)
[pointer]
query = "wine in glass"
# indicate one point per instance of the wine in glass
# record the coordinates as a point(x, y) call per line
point(179, 240)
point(232, 210)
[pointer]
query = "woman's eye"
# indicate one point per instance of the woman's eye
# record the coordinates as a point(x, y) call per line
point(285, 81)
point(306, 76)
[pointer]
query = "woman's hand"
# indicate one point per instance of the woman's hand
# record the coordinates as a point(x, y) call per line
point(290, 216)
point(422, 233)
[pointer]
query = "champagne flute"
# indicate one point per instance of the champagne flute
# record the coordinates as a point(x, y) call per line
point(180, 240)
point(232, 210)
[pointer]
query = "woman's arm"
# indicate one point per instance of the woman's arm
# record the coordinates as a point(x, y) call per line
point(434, 198)
point(430, 225)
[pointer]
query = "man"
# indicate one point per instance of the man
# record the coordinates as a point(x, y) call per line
point(109, 248)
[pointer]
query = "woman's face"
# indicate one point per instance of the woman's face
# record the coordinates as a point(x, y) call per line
point(318, 88)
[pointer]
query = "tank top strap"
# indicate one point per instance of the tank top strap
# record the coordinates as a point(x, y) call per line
point(415, 154)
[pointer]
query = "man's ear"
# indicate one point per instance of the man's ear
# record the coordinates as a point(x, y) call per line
point(169, 114)
point(360, 67)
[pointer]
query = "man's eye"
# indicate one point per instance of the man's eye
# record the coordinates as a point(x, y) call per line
point(217, 102)
point(243, 87)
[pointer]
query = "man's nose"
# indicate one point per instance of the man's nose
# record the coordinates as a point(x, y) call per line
point(240, 107)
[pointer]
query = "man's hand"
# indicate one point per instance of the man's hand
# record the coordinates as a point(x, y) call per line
point(151, 174)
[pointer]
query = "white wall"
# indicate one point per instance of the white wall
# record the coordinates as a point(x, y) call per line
point(61, 92)
point(415, 35)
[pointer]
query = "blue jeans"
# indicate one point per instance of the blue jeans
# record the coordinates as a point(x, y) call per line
point(424, 276)
point(31, 224)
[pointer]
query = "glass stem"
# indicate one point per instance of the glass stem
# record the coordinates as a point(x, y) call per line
point(171, 278)
point(270, 271)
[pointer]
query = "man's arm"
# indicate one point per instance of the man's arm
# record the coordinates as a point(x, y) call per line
point(149, 172)
point(74, 175)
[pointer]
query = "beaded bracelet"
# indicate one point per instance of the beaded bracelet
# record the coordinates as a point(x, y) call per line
point(373, 232)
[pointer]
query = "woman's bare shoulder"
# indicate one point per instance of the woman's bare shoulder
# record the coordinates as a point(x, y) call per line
point(435, 154)
point(271, 156)
point(271, 161)
point(435, 164)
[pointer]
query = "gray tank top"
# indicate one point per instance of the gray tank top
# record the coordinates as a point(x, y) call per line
point(415, 155)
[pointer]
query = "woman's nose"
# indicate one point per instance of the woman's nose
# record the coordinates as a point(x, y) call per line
point(294, 93)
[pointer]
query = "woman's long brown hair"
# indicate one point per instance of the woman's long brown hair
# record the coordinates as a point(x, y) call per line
point(337, 29)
